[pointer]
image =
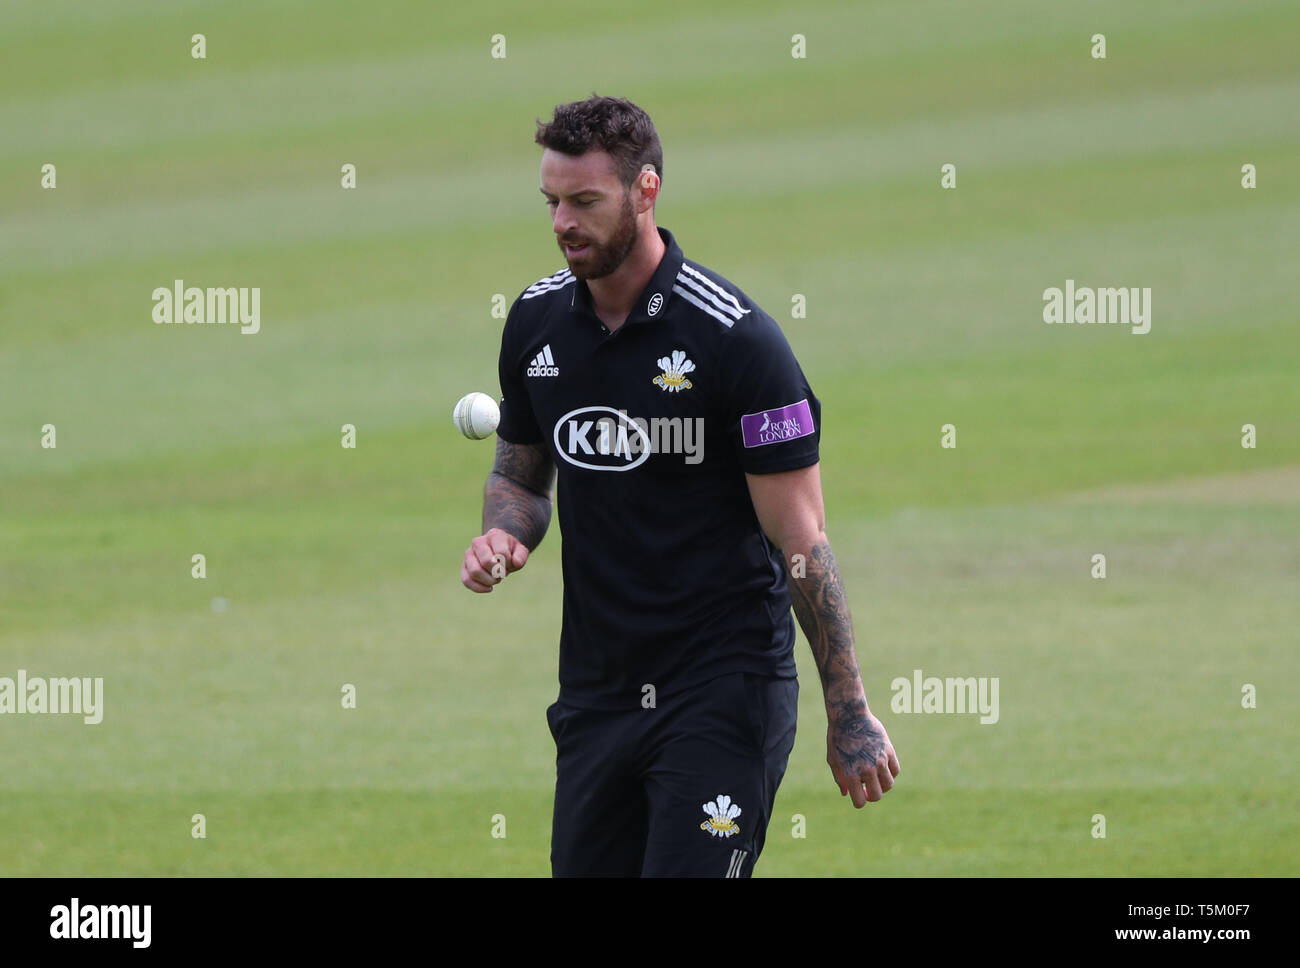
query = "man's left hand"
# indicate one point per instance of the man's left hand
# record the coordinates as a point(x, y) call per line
point(859, 753)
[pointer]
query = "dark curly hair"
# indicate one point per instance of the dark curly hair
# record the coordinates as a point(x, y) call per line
point(612, 124)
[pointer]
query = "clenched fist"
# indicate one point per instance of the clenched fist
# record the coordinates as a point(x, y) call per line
point(489, 558)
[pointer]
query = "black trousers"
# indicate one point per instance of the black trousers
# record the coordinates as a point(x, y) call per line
point(684, 789)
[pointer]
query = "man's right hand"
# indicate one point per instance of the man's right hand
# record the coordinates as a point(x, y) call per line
point(489, 558)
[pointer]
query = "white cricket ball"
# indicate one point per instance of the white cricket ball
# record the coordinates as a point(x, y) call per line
point(476, 415)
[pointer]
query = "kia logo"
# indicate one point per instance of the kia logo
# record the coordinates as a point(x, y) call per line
point(601, 439)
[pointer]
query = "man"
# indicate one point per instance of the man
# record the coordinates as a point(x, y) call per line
point(685, 437)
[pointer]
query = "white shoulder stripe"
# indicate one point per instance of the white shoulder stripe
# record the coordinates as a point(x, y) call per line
point(693, 300)
point(535, 291)
point(555, 277)
point(708, 295)
point(706, 281)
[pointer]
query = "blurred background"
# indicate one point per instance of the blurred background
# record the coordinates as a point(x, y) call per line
point(816, 175)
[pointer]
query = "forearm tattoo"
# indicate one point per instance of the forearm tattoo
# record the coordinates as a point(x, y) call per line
point(517, 496)
point(823, 613)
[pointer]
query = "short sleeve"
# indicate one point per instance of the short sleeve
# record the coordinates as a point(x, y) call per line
point(518, 423)
point(772, 416)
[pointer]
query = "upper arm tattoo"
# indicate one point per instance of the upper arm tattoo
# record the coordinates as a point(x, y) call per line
point(528, 465)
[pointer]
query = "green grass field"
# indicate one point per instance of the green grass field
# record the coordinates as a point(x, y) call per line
point(817, 176)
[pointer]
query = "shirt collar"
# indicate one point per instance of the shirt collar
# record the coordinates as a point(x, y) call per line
point(656, 293)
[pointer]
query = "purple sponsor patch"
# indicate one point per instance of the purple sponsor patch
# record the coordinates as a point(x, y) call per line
point(777, 426)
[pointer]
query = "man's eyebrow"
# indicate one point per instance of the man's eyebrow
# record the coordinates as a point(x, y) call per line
point(584, 191)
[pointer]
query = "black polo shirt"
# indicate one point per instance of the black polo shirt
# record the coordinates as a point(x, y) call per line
point(668, 577)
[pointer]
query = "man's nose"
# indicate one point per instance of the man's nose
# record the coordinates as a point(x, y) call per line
point(563, 220)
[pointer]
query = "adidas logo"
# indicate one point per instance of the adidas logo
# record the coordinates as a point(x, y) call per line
point(543, 364)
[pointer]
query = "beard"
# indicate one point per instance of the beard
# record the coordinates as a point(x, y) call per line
point(602, 259)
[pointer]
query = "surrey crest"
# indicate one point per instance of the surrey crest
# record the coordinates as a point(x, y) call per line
point(674, 370)
point(722, 817)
